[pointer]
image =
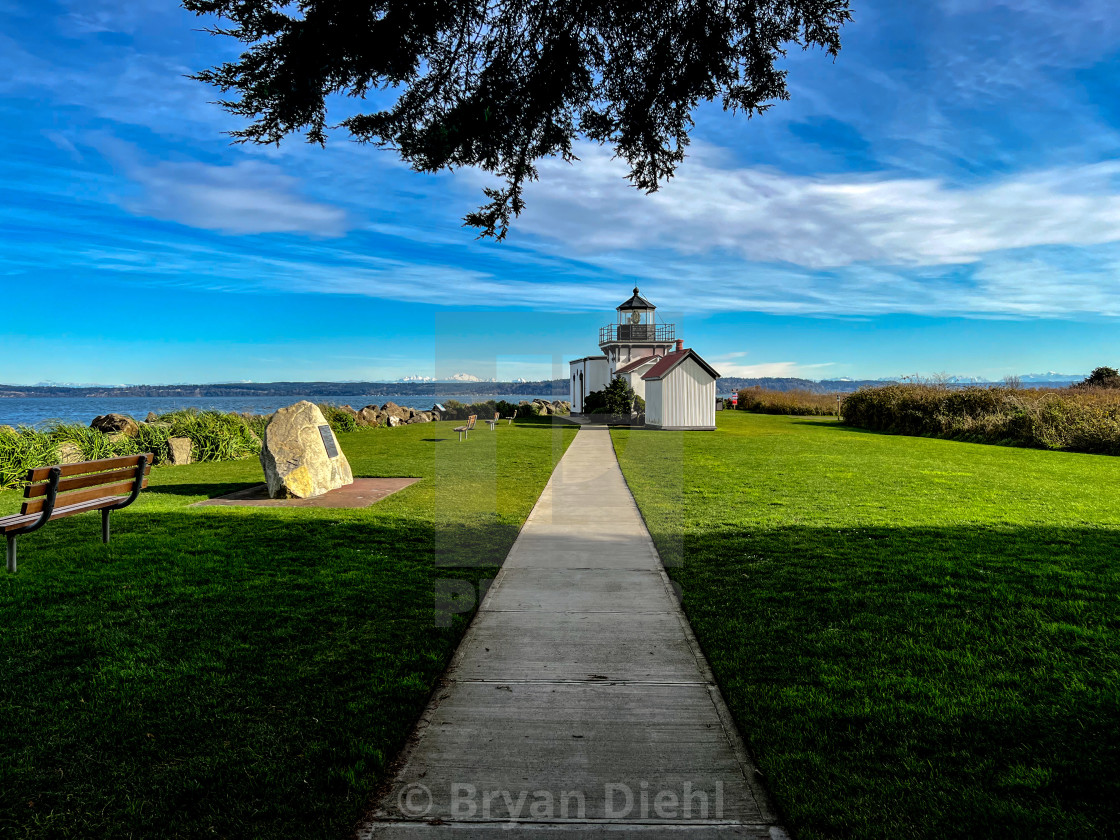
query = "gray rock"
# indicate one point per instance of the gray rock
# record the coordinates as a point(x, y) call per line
point(180, 450)
point(421, 417)
point(294, 457)
point(152, 417)
point(109, 423)
point(371, 416)
point(393, 420)
point(398, 411)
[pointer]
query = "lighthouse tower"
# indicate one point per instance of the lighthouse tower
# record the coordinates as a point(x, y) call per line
point(636, 334)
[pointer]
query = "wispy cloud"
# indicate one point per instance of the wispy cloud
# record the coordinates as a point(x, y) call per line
point(242, 198)
point(821, 222)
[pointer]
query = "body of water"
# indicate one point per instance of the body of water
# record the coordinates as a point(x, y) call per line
point(31, 411)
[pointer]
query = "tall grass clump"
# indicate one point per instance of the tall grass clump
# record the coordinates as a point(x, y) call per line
point(91, 443)
point(801, 402)
point(1072, 419)
point(215, 436)
point(21, 450)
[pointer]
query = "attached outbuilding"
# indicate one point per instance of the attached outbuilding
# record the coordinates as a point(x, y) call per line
point(632, 373)
point(680, 392)
point(591, 373)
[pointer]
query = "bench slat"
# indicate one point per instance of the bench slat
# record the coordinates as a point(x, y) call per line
point(80, 481)
point(120, 488)
point(17, 521)
point(43, 473)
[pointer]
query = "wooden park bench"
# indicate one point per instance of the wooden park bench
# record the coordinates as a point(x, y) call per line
point(494, 422)
point(68, 489)
point(466, 430)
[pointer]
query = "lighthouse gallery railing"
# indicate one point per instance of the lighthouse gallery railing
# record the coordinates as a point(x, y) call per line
point(637, 332)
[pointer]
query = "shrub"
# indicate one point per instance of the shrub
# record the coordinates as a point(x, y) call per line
point(339, 419)
point(455, 410)
point(1073, 419)
point(798, 402)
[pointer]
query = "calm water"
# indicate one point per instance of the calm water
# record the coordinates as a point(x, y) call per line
point(18, 411)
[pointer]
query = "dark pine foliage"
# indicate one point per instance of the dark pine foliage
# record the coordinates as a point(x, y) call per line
point(617, 399)
point(501, 85)
point(1102, 377)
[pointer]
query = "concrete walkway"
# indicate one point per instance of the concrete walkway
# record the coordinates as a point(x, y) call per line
point(578, 702)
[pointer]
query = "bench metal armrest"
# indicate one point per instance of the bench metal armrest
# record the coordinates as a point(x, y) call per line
point(137, 485)
point(48, 505)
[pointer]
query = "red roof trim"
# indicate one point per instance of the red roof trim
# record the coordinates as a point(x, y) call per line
point(673, 359)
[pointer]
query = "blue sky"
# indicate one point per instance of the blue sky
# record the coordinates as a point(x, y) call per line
point(944, 197)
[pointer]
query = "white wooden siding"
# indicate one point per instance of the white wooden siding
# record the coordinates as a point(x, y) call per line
point(653, 402)
point(686, 398)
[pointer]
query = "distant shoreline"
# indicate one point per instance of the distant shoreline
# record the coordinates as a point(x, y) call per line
point(557, 388)
point(265, 390)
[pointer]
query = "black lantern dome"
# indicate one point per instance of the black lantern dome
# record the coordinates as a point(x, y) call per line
point(635, 302)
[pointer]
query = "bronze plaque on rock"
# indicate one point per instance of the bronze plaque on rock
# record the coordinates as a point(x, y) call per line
point(328, 441)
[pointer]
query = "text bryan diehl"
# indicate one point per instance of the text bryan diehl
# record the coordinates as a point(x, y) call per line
point(620, 801)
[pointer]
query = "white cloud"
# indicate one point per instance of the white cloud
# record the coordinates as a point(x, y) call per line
point(820, 221)
point(243, 198)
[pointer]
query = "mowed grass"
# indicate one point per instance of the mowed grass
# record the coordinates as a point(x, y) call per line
point(244, 672)
point(918, 638)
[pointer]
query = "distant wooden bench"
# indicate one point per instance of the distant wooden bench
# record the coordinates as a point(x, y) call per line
point(494, 422)
point(68, 489)
point(466, 430)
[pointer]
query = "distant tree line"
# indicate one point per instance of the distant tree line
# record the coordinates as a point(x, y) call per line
point(556, 387)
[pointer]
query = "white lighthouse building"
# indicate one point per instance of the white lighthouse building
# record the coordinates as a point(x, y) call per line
point(678, 386)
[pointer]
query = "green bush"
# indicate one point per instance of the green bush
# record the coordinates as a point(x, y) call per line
point(796, 402)
point(339, 419)
point(1074, 419)
point(455, 410)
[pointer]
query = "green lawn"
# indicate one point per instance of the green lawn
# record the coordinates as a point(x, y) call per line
point(244, 672)
point(919, 638)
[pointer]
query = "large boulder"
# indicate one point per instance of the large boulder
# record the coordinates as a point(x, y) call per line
point(398, 411)
point(152, 417)
point(421, 417)
point(110, 423)
point(300, 454)
point(393, 420)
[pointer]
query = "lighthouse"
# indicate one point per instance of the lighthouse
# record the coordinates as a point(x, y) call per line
point(679, 387)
